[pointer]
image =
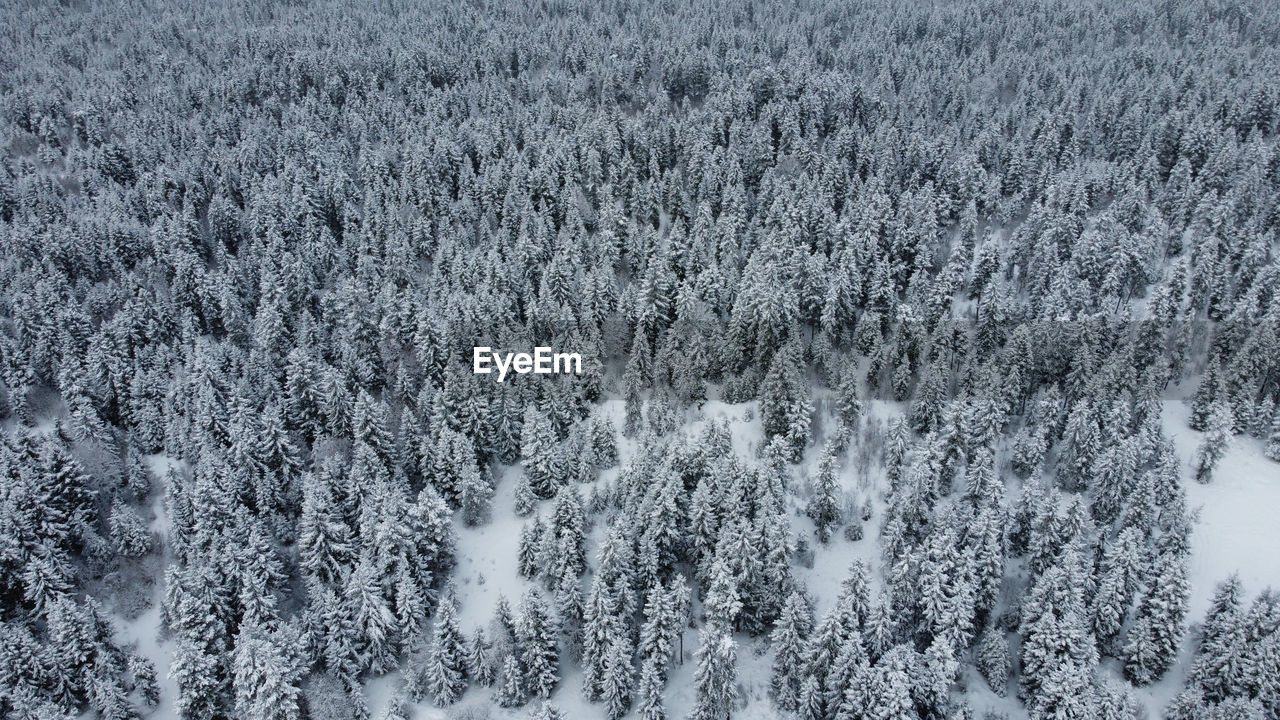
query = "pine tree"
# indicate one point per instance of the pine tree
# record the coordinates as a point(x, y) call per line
point(1219, 667)
point(1157, 632)
point(926, 409)
point(547, 711)
point(528, 552)
point(510, 683)
point(602, 441)
point(724, 600)
point(790, 633)
point(993, 659)
point(540, 657)
point(475, 495)
point(144, 679)
point(540, 453)
point(447, 658)
point(324, 541)
point(890, 687)
point(198, 674)
point(129, 532)
point(716, 677)
point(564, 549)
point(650, 690)
point(266, 675)
point(633, 383)
point(784, 403)
point(571, 612)
point(851, 660)
point(823, 507)
point(896, 450)
point(479, 661)
point(1120, 567)
point(1217, 437)
point(62, 491)
point(812, 702)
point(661, 625)
point(373, 618)
point(617, 681)
point(525, 498)
point(1058, 654)
point(849, 404)
point(1206, 395)
point(601, 624)
point(1273, 441)
point(879, 634)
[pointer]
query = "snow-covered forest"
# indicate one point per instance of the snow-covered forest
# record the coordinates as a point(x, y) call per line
point(931, 360)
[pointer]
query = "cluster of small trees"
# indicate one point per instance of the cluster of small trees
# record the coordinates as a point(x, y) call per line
point(1236, 664)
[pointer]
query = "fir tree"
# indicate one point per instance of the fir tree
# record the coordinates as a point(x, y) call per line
point(1206, 395)
point(479, 660)
point(789, 636)
point(650, 690)
point(823, 507)
point(661, 625)
point(1157, 631)
point(528, 552)
point(447, 657)
point(128, 531)
point(547, 711)
point(1273, 440)
point(540, 454)
point(540, 657)
point(1217, 436)
point(849, 404)
point(784, 403)
point(266, 675)
point(616, 686)
point(324, 541)
point(511, 691)
point(716, 677)
point(563, 543)
point(525, 498)
point(993, 659)
point(475, 495)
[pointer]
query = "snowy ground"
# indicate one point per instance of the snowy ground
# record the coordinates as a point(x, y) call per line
point(1238, 531)
point(1239, 527)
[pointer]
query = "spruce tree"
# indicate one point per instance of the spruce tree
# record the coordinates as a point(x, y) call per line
point(447, 657)
point(784, 403)
point(1217, 436)
point(1273, 440)
point(528, 552)
point(1157, 632)
point(479, 659)
point(650, 689)
point(616, 686)
point(716, 676)
point(993, 659)
point(475, 494)
point(661, 624)
point(540, 657)
point(540, 453)
point(1206, 395)
point(824, 507)
point(511, 691)
point(525, 498)
point(266, 675)
point(790, 633)
point(849, 406)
